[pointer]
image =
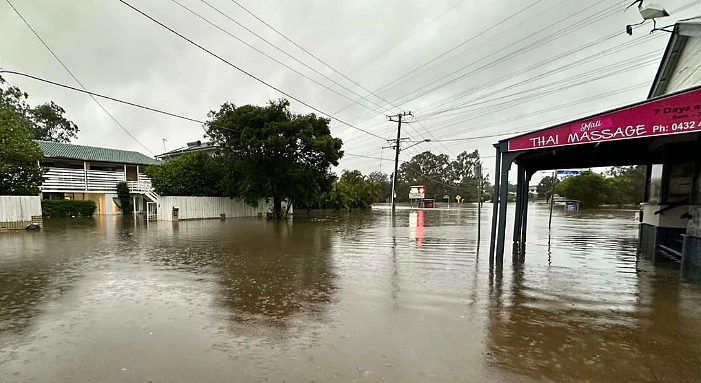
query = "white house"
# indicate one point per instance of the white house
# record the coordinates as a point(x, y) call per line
point(91, 173)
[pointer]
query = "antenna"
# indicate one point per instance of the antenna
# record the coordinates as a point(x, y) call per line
point(164, 139)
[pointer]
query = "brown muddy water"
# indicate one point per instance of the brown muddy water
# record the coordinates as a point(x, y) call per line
point(361, 297)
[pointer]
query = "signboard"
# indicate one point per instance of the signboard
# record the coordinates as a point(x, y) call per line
point(569, 172)
point(571, 206)
point(458, 197)
point(417, 192)
point(680, 113)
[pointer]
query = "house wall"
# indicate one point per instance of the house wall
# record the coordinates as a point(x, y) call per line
point(16, 212)
point(687, 71)
point(208, 207)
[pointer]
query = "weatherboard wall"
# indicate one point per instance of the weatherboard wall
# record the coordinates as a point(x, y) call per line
point(687, 71)
point(208, 208)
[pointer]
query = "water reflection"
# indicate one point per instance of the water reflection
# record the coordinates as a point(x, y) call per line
point(366, 296)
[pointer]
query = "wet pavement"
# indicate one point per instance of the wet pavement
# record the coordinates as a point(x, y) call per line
point(359, 297)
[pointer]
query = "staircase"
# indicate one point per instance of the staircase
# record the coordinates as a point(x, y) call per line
point(672, 251)
point(143, 187)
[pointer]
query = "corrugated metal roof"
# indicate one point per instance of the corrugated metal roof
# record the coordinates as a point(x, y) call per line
point(94, 153)
point(191, 147)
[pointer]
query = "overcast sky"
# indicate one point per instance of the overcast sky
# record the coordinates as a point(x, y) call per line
point(464, 68)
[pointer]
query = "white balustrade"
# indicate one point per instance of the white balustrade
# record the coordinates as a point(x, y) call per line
point(57, 179)
point(78, 180)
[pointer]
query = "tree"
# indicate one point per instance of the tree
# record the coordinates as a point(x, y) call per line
point(385, 183)
point(192, 174)
point(270, 152)
point(20, 173)
point(545, 187)
point(45, 122)
point(124, 197)
point(589, 188)
point(627, 185)
point(427, 169)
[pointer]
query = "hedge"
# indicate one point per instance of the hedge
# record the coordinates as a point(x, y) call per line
point(67, 208)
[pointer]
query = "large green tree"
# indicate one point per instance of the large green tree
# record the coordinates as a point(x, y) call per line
point(441, 176)
point(192, 174)
point(626, 185)
point(385, 182)
point(270, 152)
point(590, 188)
point(545, 186)
point(20, 173)
point(45, 122)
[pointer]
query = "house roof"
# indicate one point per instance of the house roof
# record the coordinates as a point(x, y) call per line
point(94, 153)
point(681, 33)
point(196, 146)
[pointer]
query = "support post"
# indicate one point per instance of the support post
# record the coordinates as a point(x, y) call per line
point(479, 204)
point(495, 204)
point(507, 159)
point(524, 228)
point(518, 218)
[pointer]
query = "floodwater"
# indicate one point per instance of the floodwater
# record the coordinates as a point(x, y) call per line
point(361, 297)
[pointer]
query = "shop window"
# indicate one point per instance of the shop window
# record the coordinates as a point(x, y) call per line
point(654, 185)
point(680, 182)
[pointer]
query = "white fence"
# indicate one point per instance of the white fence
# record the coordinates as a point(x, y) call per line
point(208, 207)
point(18, 211)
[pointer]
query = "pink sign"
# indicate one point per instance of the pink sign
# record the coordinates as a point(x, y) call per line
point(676, 114)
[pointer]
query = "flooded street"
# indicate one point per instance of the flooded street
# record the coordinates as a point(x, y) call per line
point(361, 297)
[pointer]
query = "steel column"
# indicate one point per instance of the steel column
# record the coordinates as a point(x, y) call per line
point(506, 158)
point(495, 204)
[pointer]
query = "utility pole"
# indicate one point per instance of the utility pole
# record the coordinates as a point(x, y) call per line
point(479, 202)
point(396, 153)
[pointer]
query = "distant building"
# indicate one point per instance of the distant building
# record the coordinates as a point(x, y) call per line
point(192, 147)
point(91, 173)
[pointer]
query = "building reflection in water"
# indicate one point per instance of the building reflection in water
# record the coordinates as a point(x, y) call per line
point(580, 327)
point(416, 222)
point(266, 272)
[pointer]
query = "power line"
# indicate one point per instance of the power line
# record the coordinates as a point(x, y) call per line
point(247, 73)
point(103, 96)
point(310, 54)
point(456, 47)
point(74, 77)
point(413, 95)
point(583, 78)
point(416, 30)
point(272, 58)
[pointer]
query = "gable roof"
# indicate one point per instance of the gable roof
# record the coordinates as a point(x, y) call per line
point(196, 146)
point(93, 153)
point(681, 33)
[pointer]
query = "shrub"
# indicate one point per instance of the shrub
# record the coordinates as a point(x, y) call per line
point(124, 197)
point(67, 208)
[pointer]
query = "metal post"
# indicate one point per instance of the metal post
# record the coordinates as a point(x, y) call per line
point(507, 159)
point(552, 200)
point(524, 229)
point(495, 204)
point(518, 218)
point(479, 203)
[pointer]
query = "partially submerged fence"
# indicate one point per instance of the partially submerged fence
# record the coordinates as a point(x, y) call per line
point(16, 212)
point(184, 208)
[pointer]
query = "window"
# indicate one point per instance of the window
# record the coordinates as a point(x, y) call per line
point(654, 185)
